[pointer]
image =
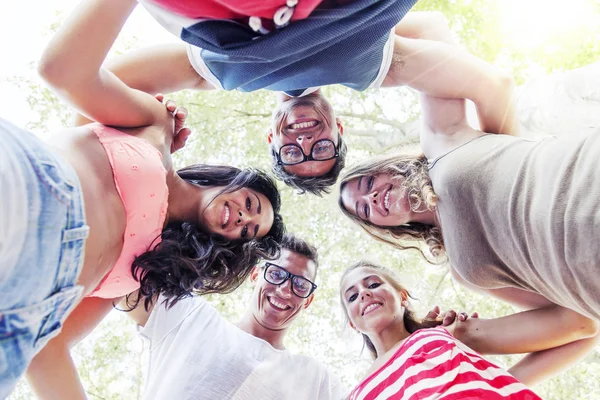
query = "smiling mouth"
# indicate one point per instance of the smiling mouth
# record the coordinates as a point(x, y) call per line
point(371, 307)
point(386, 200)
point(277, 305)
point(303, 125)
point(226, 215)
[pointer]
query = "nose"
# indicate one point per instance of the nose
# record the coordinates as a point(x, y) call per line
point(305, 141)
point(285, 290)
point(242, 218)
point(373, 197)
point(365, 294)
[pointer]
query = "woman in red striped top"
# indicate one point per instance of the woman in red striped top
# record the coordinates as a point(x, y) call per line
point(415, 359)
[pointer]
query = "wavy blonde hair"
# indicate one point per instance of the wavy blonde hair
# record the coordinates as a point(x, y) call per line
point(411, 170)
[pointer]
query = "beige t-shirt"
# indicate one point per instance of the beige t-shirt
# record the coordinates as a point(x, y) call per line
point(525, 214)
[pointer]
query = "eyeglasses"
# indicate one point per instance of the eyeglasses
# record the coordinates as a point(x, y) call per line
point(276, 275)
point(321, 150)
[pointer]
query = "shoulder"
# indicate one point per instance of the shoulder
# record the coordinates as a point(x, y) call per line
point(194, 310)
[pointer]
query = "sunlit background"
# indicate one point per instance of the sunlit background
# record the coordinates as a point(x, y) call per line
point(538, 41)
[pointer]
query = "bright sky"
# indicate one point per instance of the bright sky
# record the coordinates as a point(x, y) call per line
point(527, 23)
point(21, 45)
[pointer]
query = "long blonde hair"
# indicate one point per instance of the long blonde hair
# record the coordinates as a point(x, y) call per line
point(412, 168)
point(411, 322)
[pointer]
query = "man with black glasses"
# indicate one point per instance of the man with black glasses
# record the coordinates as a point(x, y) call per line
point(196, 354)
point(364, 44)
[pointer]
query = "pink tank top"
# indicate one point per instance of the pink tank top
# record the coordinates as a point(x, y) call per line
point(140, 179)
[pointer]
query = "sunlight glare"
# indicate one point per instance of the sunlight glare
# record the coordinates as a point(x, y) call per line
point(530, 23)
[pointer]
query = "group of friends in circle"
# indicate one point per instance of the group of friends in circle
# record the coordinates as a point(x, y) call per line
point(98, 216)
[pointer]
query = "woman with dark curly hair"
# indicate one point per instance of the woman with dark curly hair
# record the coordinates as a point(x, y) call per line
point(190, 258)
point(100, 211)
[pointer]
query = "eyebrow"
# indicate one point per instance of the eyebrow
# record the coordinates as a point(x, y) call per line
point(256, 229)
point(356, 209)
point(359, 181)
point(259, 208)
point(364, 279)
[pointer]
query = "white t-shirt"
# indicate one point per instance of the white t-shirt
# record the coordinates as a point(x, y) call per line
point(196, 354)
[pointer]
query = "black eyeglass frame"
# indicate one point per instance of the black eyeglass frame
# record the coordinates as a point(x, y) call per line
point(307, 157)
point(288, 276)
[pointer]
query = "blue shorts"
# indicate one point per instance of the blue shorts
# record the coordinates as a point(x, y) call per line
point(42, 242)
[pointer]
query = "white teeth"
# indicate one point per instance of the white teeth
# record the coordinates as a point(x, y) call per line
point(277, 304)
point(302, 125)
point(226, 219)
point(371, 307)
point(386, 200)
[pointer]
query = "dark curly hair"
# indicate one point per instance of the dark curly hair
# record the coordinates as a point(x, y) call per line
point(317, 185)
point(190, 260)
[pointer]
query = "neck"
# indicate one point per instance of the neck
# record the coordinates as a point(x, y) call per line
point(425, 216)
point(185, 199)
point(389, 337)
point(249, 324)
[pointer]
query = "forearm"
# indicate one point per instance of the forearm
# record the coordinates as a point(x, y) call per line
point(430, 25)
point(539, 366)
point(446, 71)
point(526, 332)
point(52, 374)
point(71, 56)
point(162, 68)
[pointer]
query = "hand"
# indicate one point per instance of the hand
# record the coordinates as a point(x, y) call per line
point(448, 317)
point(180, 132)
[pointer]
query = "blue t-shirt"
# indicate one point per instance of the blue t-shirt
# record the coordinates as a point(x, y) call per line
point(342, 45)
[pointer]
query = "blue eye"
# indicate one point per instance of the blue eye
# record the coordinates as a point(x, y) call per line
point(352, 298)
point(374, 285)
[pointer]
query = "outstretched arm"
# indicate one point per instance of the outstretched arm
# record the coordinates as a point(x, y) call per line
point(426, 60)
point(52, 373)
point(72, 66)
point(555, 337)
point(163, 68)
point(539, 366)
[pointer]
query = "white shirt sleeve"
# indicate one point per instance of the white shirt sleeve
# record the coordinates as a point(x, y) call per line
point(162, 320)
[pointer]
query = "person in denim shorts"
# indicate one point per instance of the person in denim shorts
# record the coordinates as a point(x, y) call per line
point(58, 280)
point(41, 248)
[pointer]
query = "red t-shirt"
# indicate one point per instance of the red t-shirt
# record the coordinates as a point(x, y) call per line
point(235, 9)
point(432, 364)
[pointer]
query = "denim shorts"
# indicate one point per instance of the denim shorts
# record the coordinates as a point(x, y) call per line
point(42, 242)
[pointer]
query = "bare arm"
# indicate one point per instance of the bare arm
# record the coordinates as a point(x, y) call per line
point(425, 59)
point(72, 66)
point(52, 373)
point(555, 337)
point(526, 331)
point(162, 68)
point(539, 366)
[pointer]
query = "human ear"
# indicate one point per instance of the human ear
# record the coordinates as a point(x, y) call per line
point(308, 301)
point(340, 126)
point(254, 274)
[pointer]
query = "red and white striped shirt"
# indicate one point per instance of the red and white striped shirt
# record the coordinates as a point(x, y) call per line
point(432, 364)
